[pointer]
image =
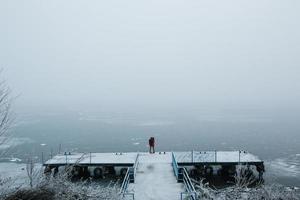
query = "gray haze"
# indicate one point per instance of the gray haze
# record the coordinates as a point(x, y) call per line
point(103, 76)
point(152, 55)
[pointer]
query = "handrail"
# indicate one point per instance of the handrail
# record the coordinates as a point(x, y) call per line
point(136, 164)
point(129, 177)
point(125, 183)
point(175, 165)
point(123, 191)
point(196, 155)
point(182, 175)
point(189, 185)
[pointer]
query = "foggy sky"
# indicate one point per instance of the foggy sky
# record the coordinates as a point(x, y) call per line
point(151, 54)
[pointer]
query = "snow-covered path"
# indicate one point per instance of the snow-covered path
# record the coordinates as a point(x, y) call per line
point(155, 178)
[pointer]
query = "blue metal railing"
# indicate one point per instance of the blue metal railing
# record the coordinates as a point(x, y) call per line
point(124, 187)
point(129, 178)
point(125, 182)
point(183, 176)
point(175, 166)
point(135, 166)
point(190, 189)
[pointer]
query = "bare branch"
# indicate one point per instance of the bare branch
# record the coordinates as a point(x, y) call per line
point(5, 107)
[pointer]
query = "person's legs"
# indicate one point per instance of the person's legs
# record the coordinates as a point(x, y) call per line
point(152, 149)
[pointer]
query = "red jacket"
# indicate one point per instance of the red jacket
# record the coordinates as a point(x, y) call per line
point(151, 142)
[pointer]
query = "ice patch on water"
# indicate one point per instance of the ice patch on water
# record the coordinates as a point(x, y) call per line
point(10, 159)
point(15, 160)
point(285, 167)
point(135, 141)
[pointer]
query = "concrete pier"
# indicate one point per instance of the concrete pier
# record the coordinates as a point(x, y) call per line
point(163, 175)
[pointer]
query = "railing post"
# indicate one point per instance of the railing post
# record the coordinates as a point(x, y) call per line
point(192, 156)
point(90, 157)
point(215, 155)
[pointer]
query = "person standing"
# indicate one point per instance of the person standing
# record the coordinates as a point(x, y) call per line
point(151, 145)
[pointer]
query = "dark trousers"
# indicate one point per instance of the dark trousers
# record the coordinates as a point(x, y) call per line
point(151, 150)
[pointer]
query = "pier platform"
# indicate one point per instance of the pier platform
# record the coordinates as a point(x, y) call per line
point(163, 175)
point(128, 159)
point(216, 158)
point(93, 159)
point(155, 178)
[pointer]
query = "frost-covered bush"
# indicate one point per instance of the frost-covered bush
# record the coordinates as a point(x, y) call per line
point(262, 192)
point(59, 187)
point(6, 186)
point(246, 187)
point(81, 189)
point(32, 194)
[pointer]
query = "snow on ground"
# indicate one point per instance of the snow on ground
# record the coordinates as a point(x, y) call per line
point(213, 156)
point(155, 178)
point(15, 172)
point(82, 158)
point(198, 156)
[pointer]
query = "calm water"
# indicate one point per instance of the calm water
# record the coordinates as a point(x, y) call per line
point(273, 137)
